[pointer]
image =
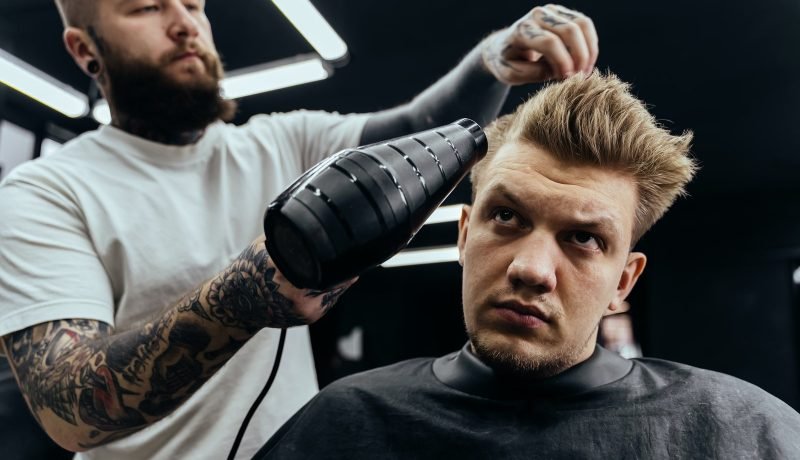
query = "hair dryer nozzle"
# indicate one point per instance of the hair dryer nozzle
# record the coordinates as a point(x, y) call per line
point(360, 206)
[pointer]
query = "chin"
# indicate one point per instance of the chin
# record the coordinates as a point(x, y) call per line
point(521, 358)
point(191, 75)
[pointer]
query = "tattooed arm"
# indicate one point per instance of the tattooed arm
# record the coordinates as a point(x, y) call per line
point(87, 384)
point(548, 42)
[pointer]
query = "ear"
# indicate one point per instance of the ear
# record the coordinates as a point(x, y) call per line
point(630, 274)
point(463, 226)
point(80, 47)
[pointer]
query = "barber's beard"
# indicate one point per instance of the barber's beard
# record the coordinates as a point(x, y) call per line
point(520, 367)
point(150, 103)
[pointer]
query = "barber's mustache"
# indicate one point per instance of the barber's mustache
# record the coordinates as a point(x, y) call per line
point(202, 52)
point(209, 57)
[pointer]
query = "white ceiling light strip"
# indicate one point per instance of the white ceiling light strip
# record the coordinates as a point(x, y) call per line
point(314, 28)
point(423, 256)
point(434, 255)
point(101, 112)
point(41, 87)
point(270, 77)
point(448, 213)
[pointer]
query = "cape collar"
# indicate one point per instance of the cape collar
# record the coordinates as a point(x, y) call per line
point(464, 371)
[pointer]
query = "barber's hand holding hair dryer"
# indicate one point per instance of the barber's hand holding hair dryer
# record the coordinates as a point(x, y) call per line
point(360, 206)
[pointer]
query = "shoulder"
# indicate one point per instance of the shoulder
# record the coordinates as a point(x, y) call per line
point(68, 162)
point(720, 394)
point(304, 121)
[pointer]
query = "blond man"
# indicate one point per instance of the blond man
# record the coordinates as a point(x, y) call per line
point(572, 180)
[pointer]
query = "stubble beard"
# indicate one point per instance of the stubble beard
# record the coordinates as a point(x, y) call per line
point(525, 366)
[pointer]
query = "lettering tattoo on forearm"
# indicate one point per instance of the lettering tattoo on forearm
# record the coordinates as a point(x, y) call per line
point(116, 383)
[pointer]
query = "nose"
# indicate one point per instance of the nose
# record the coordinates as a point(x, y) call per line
point(182, 24)
point(534, 264)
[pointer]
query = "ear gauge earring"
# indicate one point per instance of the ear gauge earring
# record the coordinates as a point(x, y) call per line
point(93, 67)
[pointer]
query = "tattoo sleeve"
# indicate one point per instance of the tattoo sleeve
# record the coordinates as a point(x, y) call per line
point(469, 90)
point(106, 384)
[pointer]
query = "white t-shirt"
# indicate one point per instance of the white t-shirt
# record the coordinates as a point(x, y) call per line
point(114, 228)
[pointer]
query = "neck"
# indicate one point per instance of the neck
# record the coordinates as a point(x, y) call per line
point(155, 133)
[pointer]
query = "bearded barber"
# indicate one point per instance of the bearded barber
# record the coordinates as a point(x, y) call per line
point(136, 296)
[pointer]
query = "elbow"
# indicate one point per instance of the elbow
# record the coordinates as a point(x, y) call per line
point(66, 440)
point(70, 440)
point(77, 439)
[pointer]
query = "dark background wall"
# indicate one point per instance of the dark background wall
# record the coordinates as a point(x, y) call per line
point(718, 290)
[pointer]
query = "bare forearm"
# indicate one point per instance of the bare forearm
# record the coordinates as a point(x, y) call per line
point(469, 90)
point(88, 386)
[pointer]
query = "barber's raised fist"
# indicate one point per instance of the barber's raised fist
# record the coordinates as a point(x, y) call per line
point(252, 293)
point(550, 42)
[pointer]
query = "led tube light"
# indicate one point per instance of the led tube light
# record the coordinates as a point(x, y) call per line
point(423, 256)
point(448, 213)
point(41, 87)
point(314, 28)
point(261, 79)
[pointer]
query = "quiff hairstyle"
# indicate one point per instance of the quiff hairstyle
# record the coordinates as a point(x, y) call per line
point(77, 13)
point(594, 120)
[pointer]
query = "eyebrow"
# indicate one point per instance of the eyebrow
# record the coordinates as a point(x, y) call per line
point(595, 221)
point(122, 3)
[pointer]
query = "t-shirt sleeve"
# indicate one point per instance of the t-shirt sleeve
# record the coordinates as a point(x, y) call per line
point(49, 269)
point(313, 135)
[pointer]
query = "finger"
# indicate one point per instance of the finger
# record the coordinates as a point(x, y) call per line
point(569, 32)
point(589, 32)
point(531, 38)
point(532, 71)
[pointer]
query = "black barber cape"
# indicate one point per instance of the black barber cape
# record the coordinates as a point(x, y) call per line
point(607, 407)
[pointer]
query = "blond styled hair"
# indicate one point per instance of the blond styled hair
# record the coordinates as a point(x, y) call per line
point(594, 120)
point(77, 13)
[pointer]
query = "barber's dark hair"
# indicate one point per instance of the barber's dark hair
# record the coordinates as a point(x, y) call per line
point(77, 13)
point(595, 120)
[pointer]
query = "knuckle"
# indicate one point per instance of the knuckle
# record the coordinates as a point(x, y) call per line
point(584, 22)
point(538, 10)
point(572, 29)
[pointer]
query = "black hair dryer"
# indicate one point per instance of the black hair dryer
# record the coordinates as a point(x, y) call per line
point(359, 207)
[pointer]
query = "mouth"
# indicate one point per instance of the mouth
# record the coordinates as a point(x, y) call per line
point(522, 314)
point(187, 55)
